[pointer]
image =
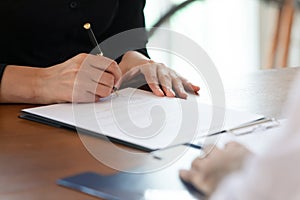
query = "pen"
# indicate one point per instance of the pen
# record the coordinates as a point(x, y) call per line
point(87, 26)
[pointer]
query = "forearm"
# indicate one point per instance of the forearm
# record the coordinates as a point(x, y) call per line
point(132, 59)
point(19, 85)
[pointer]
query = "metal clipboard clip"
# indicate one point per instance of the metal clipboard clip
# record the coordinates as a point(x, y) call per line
point(257, 126)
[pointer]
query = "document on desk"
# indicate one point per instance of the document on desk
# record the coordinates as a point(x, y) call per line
point(140, 119)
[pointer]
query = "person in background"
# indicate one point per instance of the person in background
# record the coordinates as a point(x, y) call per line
point(44, 47)
point(235, 173)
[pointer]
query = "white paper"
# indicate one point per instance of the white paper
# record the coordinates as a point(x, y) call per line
point(141, 118)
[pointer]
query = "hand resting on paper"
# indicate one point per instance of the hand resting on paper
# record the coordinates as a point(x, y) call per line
point(162, 80)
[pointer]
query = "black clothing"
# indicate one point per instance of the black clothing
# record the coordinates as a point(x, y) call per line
point(41, 33)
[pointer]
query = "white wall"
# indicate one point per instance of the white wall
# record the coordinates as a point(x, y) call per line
point(227, 29)
point(236, 33)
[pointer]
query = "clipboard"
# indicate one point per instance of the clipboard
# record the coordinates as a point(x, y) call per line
point(64, 116)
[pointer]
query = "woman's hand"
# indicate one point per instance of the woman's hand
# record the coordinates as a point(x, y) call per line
point(83, 78)
point(162, 80)
point(207, 172)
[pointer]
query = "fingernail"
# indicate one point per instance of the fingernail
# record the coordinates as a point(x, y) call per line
point(184, 95)
point(171, 91)
point(161, 92)
point(197, 88)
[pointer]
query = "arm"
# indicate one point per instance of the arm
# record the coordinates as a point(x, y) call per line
point(19, 84)
point(83, 78)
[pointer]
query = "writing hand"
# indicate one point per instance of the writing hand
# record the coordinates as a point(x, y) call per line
point(83, 78)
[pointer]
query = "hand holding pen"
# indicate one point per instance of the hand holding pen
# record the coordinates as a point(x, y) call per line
point(94, 41)
point(83, 78)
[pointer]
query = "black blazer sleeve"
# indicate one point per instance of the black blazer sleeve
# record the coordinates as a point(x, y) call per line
point(2, 68)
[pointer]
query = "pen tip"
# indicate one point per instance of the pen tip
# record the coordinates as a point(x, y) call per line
point(87, 26)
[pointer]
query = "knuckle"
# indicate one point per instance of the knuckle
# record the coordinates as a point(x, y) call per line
point(110, 76)
point(74, 68)
point(210, 147)
point(115, 68)
point(176, 80)
point(232, 144)
point(107, 91)
point(107, 77)
point(195, 180)
point(196, 164)
point(77, 66)
point(109, 82)
point(152, 77)
point(81, 56)
point(212, 150)
point(166, 77)
point(114, 63)
point(161, 65)
point(173, 73)
point(104, 91)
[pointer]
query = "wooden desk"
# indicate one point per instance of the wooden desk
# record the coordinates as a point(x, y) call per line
point(33, 156)
point(263, 92)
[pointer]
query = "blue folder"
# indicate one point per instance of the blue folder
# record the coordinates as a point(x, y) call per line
point(128, 186)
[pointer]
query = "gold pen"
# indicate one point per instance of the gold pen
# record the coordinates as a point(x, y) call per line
point(87, 26)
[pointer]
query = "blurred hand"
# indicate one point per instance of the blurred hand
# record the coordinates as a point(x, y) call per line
point(83, 78)
point(162, 80)
point(207, 172)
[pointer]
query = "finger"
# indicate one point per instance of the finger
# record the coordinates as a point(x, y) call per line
point(105, 64)
point(197, 164)
point(103, 91)
point(96, 98)
point(232, 144)
point(237, 148)
point(210, 149)
point(106, 79)
point(83, 97)
point(115, 70)
point(195, 87)
point(165, 81)
point(98, 89)
point(193, 177)
point(177, 85)
point(93, 76)
point(189, 86)
point(185, 175)
point(100, 76)
point(150, 74)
